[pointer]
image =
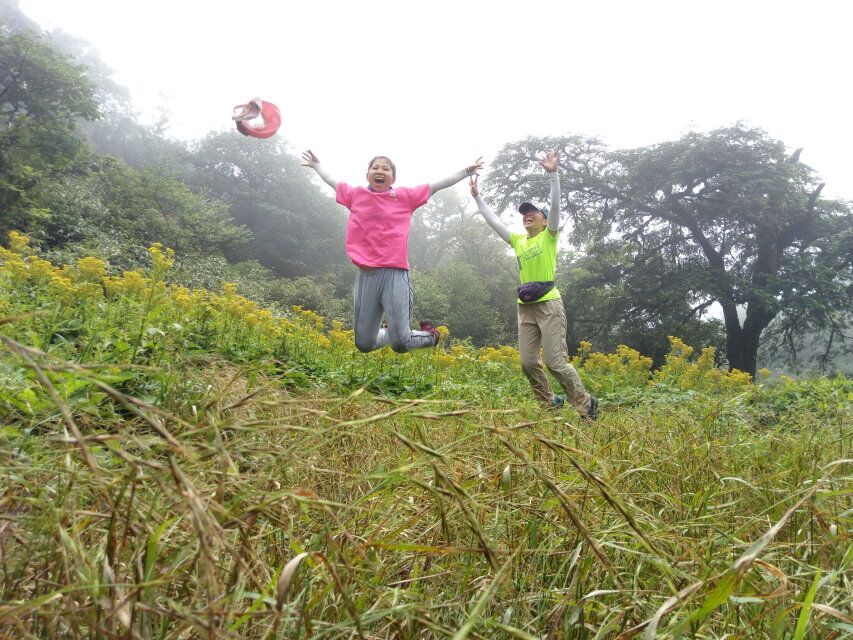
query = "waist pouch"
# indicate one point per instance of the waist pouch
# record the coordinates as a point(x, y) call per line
point(530, 291)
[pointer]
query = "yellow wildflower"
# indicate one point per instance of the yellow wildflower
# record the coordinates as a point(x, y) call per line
point(162, 261)
point(19, 243)
point(92, 269)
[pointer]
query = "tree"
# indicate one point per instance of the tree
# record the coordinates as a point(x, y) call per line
point(607, 310)
point(465, 271)
point(296, 230)
point(727, 217)
point(154, 206)
point(458, 296)
point(41, 97)
point(13, 20)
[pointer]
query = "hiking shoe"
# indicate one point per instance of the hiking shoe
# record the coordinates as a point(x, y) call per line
point(427, 326)
point(557, 402)
point(592, 413)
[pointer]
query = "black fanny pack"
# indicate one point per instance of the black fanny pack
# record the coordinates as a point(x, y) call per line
point(530, 291)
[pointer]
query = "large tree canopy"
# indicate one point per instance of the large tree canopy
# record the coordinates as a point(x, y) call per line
point(728, 217)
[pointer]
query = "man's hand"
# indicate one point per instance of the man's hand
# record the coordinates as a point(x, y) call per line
point(475, 190)
point(309, 159)
point(551, 161)
point(474, 168)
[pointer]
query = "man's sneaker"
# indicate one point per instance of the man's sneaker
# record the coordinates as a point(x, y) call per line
point(426, 325)
point(592, 413)
point(557, 402)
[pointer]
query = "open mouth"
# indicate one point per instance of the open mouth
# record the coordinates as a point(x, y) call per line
point(379, 179)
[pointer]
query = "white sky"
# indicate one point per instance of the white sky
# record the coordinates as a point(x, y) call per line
point(434, 85)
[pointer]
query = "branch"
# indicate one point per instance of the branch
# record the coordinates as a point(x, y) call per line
point(696, 309)
point(687, 221)
point(789, 233)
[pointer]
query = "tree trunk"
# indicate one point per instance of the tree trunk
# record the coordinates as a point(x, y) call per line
point(742, 341)
point(742, 351)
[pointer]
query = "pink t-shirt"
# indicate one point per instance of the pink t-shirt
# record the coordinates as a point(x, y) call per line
point(378, 224)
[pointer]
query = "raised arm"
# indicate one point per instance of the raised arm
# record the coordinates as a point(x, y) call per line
point(550, 164)
point(310, 160)
point(487, 213)
point(456, 177)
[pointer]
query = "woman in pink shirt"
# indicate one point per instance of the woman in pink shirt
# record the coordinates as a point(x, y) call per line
point(376, 241)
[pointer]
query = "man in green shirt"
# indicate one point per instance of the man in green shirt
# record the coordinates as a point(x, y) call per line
point(541, 316)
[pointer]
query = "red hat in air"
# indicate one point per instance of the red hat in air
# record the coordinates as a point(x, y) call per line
point(257, 118)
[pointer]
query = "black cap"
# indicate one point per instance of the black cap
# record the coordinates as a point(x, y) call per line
point(524, 207)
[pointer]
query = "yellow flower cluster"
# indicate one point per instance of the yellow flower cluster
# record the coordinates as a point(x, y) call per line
point(236, 321)
point(187, 300)
point(233, 304)
point(63, 283)
point(680, 372)
point(92, 269)
point(310, 318)
point(460, 351)
point(625, 363)
point(23, 267)
point(340, 338)
point(501, 355)
point(19, 243)
point(161, 261)
point(132, 284)
point(443, 358)
point(62, 288)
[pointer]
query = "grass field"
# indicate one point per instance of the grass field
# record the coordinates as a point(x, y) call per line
point(185, 464)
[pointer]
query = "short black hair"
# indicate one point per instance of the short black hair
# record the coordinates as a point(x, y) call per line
point(391, 162)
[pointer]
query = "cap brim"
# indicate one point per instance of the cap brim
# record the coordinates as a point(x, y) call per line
point(524, 207)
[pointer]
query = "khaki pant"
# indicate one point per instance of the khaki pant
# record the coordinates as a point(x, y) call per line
point(543, 324)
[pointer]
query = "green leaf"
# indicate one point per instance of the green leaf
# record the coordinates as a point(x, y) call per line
point(803, 620)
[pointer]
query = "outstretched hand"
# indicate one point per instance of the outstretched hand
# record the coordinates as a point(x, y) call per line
point(309, 159)
point(474, 168)
point(475, 190)
point(551, 161)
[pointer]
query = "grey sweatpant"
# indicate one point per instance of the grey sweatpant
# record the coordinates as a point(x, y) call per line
point(388, 292)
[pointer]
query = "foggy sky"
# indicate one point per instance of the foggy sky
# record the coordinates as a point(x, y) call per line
point(434, 85)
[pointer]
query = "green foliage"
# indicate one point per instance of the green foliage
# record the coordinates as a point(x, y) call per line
point(114, 207)
point(457, 295)
point(457, 258)
point(167, 450)
point(316, 293)
point(785, 397)
point(13, 20)
point(41, 96)
point(54, 187)
point(604, 308)
point(296, 231)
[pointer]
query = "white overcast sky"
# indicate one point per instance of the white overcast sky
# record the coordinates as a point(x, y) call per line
point(435, 84)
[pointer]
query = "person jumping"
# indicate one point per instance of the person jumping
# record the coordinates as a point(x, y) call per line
point(541, 316)
point(377, 233)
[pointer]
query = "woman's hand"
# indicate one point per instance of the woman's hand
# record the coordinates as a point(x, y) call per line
point(474, 168)
point(309, 159)
point(475, 191)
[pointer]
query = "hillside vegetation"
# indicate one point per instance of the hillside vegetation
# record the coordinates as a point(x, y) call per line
point(183, 463)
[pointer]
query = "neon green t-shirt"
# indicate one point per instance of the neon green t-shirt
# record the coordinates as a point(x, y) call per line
point(537, 260)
